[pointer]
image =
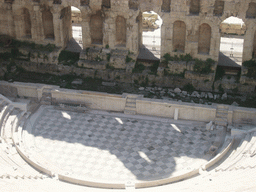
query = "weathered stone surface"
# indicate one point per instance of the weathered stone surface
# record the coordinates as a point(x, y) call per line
point(210, 95)
point(224, 96)
point(177, 90)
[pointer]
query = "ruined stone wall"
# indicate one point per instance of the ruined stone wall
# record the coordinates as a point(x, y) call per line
point(42, 21)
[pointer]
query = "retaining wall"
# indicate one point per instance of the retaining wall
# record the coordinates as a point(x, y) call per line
point(144, 106)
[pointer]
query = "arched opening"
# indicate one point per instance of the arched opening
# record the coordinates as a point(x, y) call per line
point(27, 23)
point(251, 12)
point(106, 3)
point(84, 2)
point(75, 43)
point(194, 8)
point(150, 48)
point(120, 31)
point(96, 28)
point(133, 4)
point(218, 8)
point(166, 5)
point(254, 46)
point(231, 43)
point(48, 24)
point(179, 36)
point(204, 41)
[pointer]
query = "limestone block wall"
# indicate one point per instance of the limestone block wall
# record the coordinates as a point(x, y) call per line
point(189, 26)
point(151, 107)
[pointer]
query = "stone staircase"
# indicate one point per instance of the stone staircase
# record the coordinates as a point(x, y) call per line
point(221, 118)
point(46, 97)
point(130, 105)
point(243, 155)
point(12, 165)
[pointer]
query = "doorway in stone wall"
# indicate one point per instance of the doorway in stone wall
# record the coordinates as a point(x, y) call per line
point(76, 42)
point(231, 43)
point(150, 48)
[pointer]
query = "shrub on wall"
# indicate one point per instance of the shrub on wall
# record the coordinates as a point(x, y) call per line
point(138, 68)
point(68, 57)
point(251, 65)
point(203, 67)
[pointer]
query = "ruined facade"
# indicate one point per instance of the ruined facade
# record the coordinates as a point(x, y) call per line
point(189, 26)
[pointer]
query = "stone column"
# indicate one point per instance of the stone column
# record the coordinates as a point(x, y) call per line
point(86, 34)
point(248, 41)
point(37, 28)
point(166, 37)
point(57, 25)
point(111, 32)
point(215, 43)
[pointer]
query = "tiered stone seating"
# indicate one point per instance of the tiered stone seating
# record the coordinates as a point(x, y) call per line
point(243, 155)
point(12, 164)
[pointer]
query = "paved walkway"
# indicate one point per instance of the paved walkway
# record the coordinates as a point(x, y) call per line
point(114, 147)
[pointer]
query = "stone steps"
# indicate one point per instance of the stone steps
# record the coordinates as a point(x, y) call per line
point(13, 166)
point(248, 157)
point(46, 97)
point(221, 115)
point(4, 115)
point(244, 156)
point(130, 105)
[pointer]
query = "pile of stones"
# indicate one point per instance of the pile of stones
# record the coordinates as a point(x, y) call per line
point(193, 97)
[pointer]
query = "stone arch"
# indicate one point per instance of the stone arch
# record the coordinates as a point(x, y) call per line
point(120, 30)
point(26, 23)
point(133, 4)
point(204, 41)
point(96, 28)
point(179, 36)
point(194, 8)
point(106, 3)
point(48, 24)
point(84, 2)
point(218, 8)
point(251, 12)
point(166, 5)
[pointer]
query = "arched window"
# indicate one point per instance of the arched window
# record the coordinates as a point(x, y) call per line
point(204, 41)
point(194, 7)
point(120, 30)
point(218, 8)
point(166, 5)
point(133, 4)
point(254, 46)
point(48, 24)
point(96, 26)
point(106, 3)
point(27, 22)
point(179, 36)
point(84, 2)
point(251, 12)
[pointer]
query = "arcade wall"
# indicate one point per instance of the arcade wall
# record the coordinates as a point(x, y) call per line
point(189, 26)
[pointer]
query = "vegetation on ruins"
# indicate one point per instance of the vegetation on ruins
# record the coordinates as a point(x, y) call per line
point(8, 42)
point(139, 67)
point(219, 73)
point(251, 66)
point(109, 66)
point(189, 88)
point(182, 74)
point(68, 57)
point(167, 57)
point(153, 68)
point(203, 67)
